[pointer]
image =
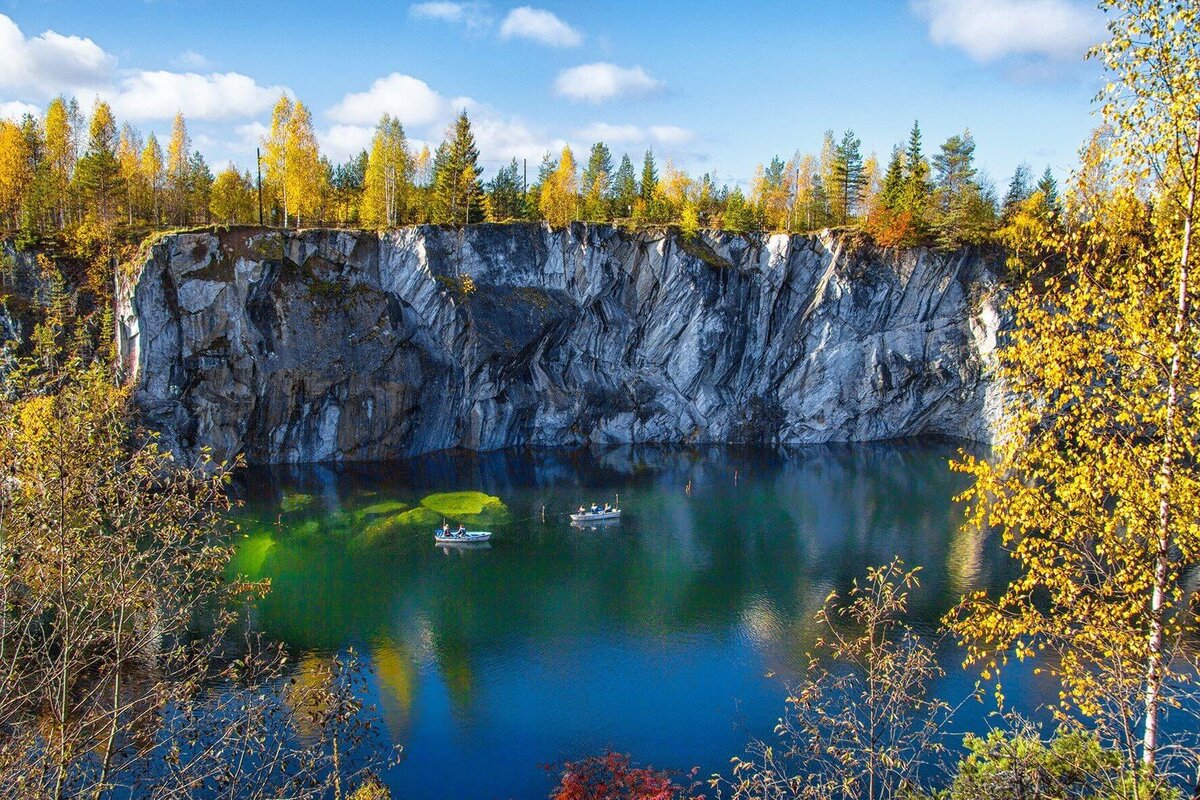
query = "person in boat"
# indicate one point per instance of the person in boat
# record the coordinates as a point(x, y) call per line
point(595, 508)
point(607, 508)
point(445, 528)
point(462, 530)
point(581, 510)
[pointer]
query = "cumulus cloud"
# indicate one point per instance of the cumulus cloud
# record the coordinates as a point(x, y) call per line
point(159, 94)
point(541, 26)
point(667, 135)
point(472, 15)
point(190, 59)
point(411, 99)
point(671, 134)
point(51, 62)
point(602, 81)
point(15, 110)
point(608, 132)
point(988, 30)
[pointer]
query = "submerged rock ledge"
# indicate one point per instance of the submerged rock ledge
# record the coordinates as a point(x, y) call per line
point(327, 345)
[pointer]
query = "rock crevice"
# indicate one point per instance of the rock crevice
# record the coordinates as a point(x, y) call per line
point(337, 345)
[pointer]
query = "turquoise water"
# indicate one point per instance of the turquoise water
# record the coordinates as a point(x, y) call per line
point(670, 635)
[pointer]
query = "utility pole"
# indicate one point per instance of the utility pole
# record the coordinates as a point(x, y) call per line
point(258, 163)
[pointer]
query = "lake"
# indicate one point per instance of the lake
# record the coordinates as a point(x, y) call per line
point(670, 636)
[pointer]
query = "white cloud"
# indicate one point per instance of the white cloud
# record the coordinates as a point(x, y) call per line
point(51, 62)
point(671, 134)
point(603, 81)
point(540, 26)
point(988, 30)
point(473, 15)
point(667, 135)
point(341, 142)
point(15, 110)
point(190, 59)
point(411, 99)
point(613, 134)
point(159, 94)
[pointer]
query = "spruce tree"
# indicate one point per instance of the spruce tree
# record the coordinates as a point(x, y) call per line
point(848, 172)
point(625, 190)
point(458, 194)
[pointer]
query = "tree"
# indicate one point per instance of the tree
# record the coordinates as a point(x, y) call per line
point(304, 178)
point(129, 161)
point(646, 187)
point(597, 184)
point(200, 182)
point(1048, 186)
point(275, 161)
point(507, 199)
point(232, 198)
point(1020, 188)
point(1093, 484)
point(153, 176)
point(739, 214)
point(16, 171)
point(613, 776)
point(60, 154)
point(559, 199)
point(848, 176)
point(385, 196)
point(99, 172)
point(457, 192)
point(863, 731)
point(625, 191)
point(178, 173)
point(914, 197)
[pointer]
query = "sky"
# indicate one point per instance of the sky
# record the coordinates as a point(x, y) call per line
point(715, 87)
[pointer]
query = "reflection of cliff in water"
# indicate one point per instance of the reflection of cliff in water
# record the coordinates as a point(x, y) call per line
point(748, 556)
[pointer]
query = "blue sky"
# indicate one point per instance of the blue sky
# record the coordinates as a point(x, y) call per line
point(714, 86)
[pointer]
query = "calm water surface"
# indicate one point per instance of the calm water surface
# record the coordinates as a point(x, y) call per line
point(670, 636)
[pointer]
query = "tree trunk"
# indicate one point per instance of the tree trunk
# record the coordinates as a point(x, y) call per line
point(1166, 474)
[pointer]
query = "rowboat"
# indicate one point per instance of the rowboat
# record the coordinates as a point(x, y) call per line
point(469, 537)
point(596, 516)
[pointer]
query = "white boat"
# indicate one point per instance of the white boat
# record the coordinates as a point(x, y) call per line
point(469, 537)
point(596, 516)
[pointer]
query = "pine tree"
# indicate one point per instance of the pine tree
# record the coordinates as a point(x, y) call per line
point(199, 185)
point(98, 173)
point(649, 181)
point(597, 184)
point(624, 188)
point(1020, 188)
point(1049, 188)
point(504, 191)
point(848, 177)
point(915, 197)
point(458, 193)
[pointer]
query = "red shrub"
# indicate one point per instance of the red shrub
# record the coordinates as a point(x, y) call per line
point(612, 777)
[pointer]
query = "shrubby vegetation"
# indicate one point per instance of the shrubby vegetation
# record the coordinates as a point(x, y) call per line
point(128, 665)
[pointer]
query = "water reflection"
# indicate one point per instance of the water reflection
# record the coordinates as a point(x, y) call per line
point(652, 635)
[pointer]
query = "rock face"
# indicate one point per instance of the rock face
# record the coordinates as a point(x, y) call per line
point(335, 345)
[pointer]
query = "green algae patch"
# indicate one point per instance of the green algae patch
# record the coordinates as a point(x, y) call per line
point(463, 504)
point(295, 502)
point(384, 509)
point(250, 555)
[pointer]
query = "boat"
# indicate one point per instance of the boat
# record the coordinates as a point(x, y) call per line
point(469, 537)
point(596, 516)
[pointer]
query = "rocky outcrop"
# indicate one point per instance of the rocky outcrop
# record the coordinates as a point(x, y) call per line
point(337, 345)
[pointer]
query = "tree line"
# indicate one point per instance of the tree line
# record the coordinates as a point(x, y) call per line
point(58, 171)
